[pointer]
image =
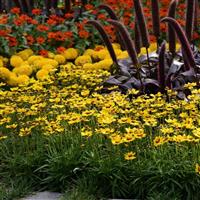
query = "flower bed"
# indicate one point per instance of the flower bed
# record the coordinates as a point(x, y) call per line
point(62, 128)
point(64, 122)
point(41, 34)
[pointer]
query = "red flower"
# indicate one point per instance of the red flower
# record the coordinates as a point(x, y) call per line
point(18, 22)
point(69, 15)
point(15, 10)
point(43, 52)
point(12, 41)
point(51, 22)
point(4, 33)
point(33, 21)
point(60, 49)
point(42, 28)
point(4, 20)
point(102, 16)
point(163, 27)
point(196, 35)
point(30, 39)
point(68, 34)
point(83, 34)
point(89, 7)
point(152, 38)
point(132, 25)
point(40, 40)
point(36, 11)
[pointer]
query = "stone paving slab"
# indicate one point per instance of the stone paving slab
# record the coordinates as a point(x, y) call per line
point(44, 196)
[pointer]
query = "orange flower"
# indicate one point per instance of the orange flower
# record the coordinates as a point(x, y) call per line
point(43, 52)
point(30, 39)
point(152, 38)
point(4, 20)
point(60, 49)
point(102, 16)
point(83, 34)
point(4, 33)
point(42, 28)
point(18, 22)
point(40, 40)
point(69, 15)
point(12, 41)
point(15, 10)
point(89, 7)
point(33, 21)
point(36, 11)
point(51, 22)
point(163, 27)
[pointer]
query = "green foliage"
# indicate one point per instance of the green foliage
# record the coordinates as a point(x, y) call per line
point(11, 189)
point(95, 168)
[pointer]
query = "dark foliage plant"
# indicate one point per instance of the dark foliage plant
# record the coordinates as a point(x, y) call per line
point(171, 32)
point(154, 72)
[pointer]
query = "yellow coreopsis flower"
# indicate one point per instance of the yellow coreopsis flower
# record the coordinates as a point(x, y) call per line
point(196, 132)
point(116, 139)
point(159, 141)
point(197, 168)
point(130, 155)
point(86, 133)
point(3, 137)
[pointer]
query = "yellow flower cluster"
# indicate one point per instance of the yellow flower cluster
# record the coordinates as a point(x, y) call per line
point(25, 64)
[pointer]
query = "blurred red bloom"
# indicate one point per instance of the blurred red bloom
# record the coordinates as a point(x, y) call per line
point(51, 22)
point(152, 38)
point(36, 11)
point(4, 33)
point(163, 27)
point(42, 28)
point(43, 52)
point(18, 22)
point(89, 7)
point(51, 35)
point(60, 36)
point(30, 39)
point(69, 15)
point(4, 20)
point(83, 34)
point(33, 21)
point(102, 16)
point(12, 41)
point(40, 40)
point(60, 49)
point(15, 10)
point(196, 35)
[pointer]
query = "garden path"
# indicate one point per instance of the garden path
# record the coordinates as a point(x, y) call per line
point(44, 196)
